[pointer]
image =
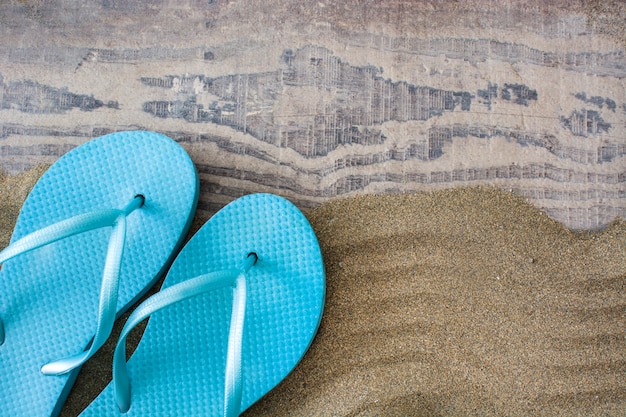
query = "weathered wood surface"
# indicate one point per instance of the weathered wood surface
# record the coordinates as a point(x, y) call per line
point(314, 100)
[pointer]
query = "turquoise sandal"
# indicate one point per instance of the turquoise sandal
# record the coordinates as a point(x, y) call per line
point(106, 219)
point(237, 311)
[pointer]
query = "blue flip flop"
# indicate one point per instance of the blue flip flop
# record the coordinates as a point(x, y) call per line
point(97, 230)
point(236, 313)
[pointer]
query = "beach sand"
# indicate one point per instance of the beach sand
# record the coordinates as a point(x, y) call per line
point(462, 302)
point(459, 302)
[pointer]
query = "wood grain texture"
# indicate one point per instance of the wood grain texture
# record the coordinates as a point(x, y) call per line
point(314, 100)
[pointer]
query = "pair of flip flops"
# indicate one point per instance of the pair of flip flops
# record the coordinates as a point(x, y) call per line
point(238, 308)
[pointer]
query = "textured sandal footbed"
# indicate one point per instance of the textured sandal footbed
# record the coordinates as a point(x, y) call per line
point(49, 297)
point(178, 366)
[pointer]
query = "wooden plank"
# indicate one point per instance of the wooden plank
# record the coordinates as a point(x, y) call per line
point(315, 100)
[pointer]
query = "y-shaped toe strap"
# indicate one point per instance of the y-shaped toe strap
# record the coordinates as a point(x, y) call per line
point(175, 294)
point(107, 308)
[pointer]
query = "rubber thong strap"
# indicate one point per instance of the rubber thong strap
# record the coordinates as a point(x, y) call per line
point(179, 292)
point(107, 308)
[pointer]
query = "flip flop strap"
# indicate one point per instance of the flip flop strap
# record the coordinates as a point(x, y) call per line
point(179, 292)
point(107, 308)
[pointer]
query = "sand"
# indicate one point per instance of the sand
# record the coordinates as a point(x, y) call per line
point(461, 302)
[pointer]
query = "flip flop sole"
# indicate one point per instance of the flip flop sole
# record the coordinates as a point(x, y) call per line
point(178, 367)
point(49, 297)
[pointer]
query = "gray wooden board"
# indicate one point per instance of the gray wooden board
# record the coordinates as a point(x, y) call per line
point(314, 100)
